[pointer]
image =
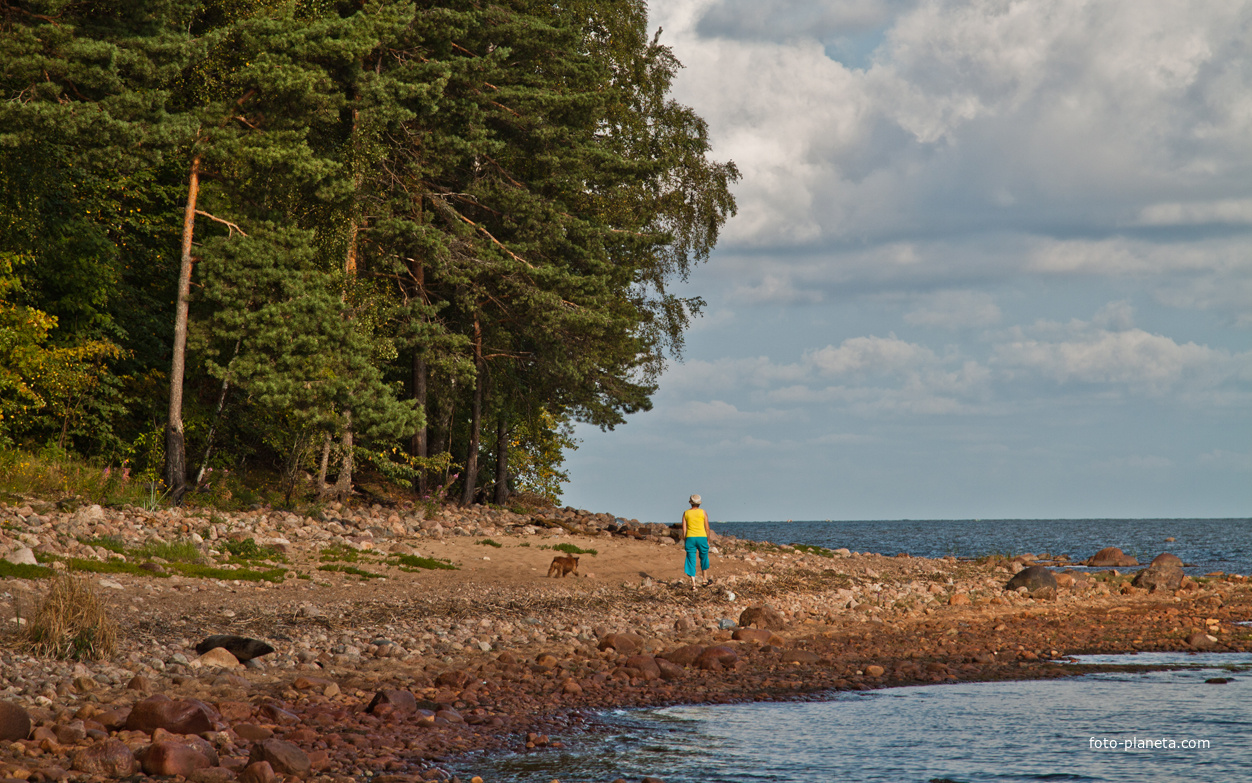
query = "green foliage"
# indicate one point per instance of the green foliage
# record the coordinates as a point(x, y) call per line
point(338, 553)
point(492, 197)
point(489, 542)
point(249, 549)
point(413, 562)
point(54, 473)
point(809, 549)
point(571, 549)
point(181, 551)
point(347, 569)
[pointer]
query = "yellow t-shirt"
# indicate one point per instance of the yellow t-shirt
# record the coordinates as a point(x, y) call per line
point(694, 519)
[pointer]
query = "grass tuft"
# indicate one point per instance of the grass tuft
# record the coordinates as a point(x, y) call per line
point(347, 569)
point(72, 623)
point(570, 549)
point(813, 550)
point(181, 551)
point(415, 562)
point(489, 542)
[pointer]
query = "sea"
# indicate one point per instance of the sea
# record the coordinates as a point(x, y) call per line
point(1171, 717)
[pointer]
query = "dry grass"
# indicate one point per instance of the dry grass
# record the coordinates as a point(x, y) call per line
point(72, 622)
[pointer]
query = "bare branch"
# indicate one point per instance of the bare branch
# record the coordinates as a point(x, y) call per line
point(233, 228)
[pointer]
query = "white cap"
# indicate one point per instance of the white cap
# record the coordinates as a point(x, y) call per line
point(695, 500)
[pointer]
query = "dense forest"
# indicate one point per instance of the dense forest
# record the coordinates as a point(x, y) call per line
point(313, 237)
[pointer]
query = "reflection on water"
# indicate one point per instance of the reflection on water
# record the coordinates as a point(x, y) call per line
point(1179, 729)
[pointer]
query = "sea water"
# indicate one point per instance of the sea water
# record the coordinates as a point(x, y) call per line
point(1208, 544)
point(1131, 727)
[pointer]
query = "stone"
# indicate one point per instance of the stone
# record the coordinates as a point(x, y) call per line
point(683, 656)
point(874, 670)
point(959, 599)
point(1064, 580)
point(283, 757)
point(624, 643)
point(110, 759)
point(397, 701)
point(250, 732)
point(454, 678)
point(21, 556)
point(1110, 556)
point(1156, 578)
point(219, 658)
point(669, 671)
point(14, 722)
point(139, 683)
point(190, 716)
point(258, 772)
point(645, 665)
point(758, 635)
point(172, 758)
point(243, 648)
point(762, 617)
point(1166, 559)
point(88, 515)
point(1201, 641)
point(716, 658)
point(1032, 578)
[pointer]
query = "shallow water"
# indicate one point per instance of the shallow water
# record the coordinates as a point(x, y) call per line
point(1209, 544)
point(1072, 729)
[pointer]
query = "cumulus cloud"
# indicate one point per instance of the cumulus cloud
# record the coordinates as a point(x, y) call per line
point(955, 310)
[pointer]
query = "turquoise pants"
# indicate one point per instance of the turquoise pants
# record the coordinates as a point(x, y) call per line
point(694, 545)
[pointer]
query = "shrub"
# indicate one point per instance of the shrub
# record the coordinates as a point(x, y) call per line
point(72, 622)
point(570, 549)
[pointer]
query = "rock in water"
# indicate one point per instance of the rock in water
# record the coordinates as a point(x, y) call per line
point(1032, 578)
point(1166, 559)
point(1111, 556)
point(243, 648)
point(14, 722)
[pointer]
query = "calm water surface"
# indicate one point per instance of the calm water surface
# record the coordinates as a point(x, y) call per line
point(975, 732)
point(1211, 544)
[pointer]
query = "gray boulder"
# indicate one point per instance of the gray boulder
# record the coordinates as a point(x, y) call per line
point(1032, 578)
point(1159, 578)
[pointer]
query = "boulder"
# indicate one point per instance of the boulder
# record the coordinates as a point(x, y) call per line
point(110, 759)
point(1201, 641)
point(189, 716)
point(1166, 559)
point(716, 658)
point(258, 772)
point(14, 722)
point(1032, 578)
point(243, 648)
point(1157, 578)
point(799, 656)
point(283, 757)
point(874, 670)
point(669, 671)
point(683, 656)
point(22, 556)
point(1110, 556)
point(758, 635)
point(219, 658)
point(624, 643)
point(645, 665)
point(392, 700)
point(172, 758)
point(762, 617)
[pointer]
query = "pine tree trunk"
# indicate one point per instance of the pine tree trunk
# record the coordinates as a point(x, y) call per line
point(343, 484)
point(175, 442)
point(323, 466)
point(502, 461)
point(421, 444)
point(476, 417)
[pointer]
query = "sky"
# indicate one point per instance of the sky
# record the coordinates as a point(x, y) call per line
point(992, 259)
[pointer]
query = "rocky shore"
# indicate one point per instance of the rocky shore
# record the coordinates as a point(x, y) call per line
point(402, 641)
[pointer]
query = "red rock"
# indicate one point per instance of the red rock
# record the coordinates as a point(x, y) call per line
point(258, 772)
point(275, 714)
point(799, 656)
point(1166, 559)
point(625, 643)
point(311, 683)
point(139, 683)
point(303, 736)
point(1202, 641)
point(758, 635)
point(283, 757)
point(212, 775)
point(189, 716)
point(683, 656)
point(762, 617)
point(570, 687)
point(250, 732)
point(234, 711)
point(172, 758)
point(397, 701)
point(669, 671)
point(14, 722)
point(110, 759)
point(874, 670)
point(645, 665)
point(1110, 556)
point(716, 657)
point(70, 733)
point(114, 719)
point(454, 678)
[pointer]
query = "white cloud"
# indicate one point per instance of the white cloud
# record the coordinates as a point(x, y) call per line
point(1235, 211)
point(955, 310)
point(870, 355)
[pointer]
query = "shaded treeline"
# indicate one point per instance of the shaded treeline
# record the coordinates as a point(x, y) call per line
point(428, 235)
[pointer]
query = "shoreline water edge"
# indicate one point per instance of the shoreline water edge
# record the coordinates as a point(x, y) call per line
point(405, 643)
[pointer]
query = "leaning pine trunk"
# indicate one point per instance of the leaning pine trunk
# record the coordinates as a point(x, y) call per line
point(175, 443)
point(343, 484)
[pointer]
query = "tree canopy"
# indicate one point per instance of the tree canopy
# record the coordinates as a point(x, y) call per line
point(307, 233)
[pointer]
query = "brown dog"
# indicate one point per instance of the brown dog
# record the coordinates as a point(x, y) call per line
point(563, 565)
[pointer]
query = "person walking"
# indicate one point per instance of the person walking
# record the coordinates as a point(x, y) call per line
point(697, 533)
